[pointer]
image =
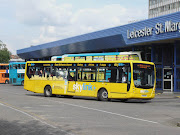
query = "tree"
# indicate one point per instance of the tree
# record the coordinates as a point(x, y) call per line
point(4, 53)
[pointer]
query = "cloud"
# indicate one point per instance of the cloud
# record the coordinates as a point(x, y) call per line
point(41, 12)
point(45, 35)
point(59, 21)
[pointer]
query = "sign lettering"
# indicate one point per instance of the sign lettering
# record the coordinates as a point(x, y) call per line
point(159, 28)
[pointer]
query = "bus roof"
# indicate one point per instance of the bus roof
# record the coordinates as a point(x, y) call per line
point(123, 61)
point(100, 54)
point(16, 60)
point(13, 63)
point(1, 64)
point(56, 57)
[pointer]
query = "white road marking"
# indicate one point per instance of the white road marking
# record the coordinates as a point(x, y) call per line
point(94, 109)
point(27, 115)
point(18, 110)
point(27, 107)
point(117, 114)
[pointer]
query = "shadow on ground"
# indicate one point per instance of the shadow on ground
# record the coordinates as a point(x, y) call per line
point(140, 101)
point(29, 128)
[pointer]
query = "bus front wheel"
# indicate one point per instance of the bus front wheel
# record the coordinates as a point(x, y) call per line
point(103, 95)
point(47, 91)
point(7, 81)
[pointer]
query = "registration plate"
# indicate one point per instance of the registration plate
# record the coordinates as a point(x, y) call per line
point(144, 95)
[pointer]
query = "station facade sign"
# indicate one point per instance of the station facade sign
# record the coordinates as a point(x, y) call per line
point(159, 28)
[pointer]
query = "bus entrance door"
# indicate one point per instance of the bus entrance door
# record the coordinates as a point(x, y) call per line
point(71, 87)
point(167, 79)
point(71, 80)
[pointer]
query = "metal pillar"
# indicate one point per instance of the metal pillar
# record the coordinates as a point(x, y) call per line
point(175, 47)
point(152, 53)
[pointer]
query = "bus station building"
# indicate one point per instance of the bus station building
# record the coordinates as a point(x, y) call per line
point(157, 38)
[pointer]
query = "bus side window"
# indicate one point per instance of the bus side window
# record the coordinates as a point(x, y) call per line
point(6, 75)
point(72, 74)
point(61, 73)
point(18, 75)
point(7, 67)
point(18, 66)
point(126, 74)
point(30, 72)
point(79, 74)
point(22, 76)
point(113, 75)
point(22, 66)
point(103, 74)
point(89, 74)
point(119, 75)
point(47, 72)
point(14, 66)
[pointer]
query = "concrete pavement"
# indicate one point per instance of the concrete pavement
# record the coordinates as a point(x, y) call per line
point(167, 95)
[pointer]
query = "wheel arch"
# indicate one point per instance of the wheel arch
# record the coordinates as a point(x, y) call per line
point(7, 81)
point(101, 89)
point(100, 96)
point(48, 85)
point(52, 93)
point(45, 91)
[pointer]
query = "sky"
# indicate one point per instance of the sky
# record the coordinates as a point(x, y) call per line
point(25, 23)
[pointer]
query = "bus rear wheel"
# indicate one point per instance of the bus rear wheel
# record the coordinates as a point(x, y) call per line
point(47, 91)
point(7, 81)
point(103, 95)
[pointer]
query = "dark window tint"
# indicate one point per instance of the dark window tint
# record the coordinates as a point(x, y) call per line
point(22, 76)
point(6, 75)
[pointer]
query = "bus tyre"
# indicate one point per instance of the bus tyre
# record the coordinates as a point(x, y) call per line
point(103, 95)
point(22, 83)
point(7, 82)
point(47, 91)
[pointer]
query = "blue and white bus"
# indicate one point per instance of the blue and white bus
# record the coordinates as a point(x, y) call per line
point(56, 58)
point(16, 73)
point(109, 56)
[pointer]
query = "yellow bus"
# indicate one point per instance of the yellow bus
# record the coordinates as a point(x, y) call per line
point(101, 79)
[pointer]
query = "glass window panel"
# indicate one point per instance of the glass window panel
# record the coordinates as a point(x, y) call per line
point(6, 75)
point(22, 76)
point(89, 74)
point(159, 73)
point(178, 85)
point(159, 84)
point(72, 74)
point(178, 55)
point(158, 55)
point(178, 73)
point(22, 66)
